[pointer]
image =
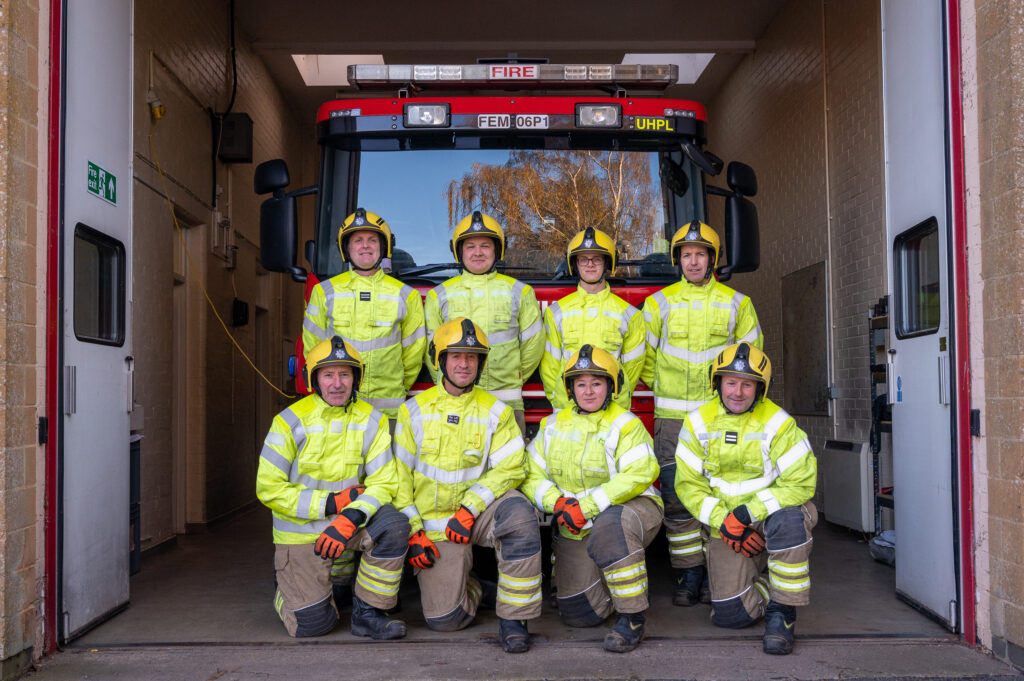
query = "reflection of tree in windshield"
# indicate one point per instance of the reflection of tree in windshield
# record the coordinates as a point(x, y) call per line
point(544, 198)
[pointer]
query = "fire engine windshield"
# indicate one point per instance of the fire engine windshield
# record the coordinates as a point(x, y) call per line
point(542, 197)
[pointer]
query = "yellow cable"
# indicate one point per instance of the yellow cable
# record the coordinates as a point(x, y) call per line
point(195, 272)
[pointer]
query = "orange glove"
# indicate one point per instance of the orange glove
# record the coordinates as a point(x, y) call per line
point(422, 552)
point(460, 527)
point(559, 505)
point(737, 533)
point(339, 500)
point(331, 542)
point(571, 517)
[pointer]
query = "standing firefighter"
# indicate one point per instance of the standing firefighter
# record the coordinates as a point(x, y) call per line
point(688, 324)
point(746, 470)
point(380, 316)
point(328, 475)
point(592, 314)
point(461, 458)
point(592, 466)
point(505, 308)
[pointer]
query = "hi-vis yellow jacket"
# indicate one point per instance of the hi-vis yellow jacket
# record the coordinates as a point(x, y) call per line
point(687, 326)
point(454, 451)
point(601, 459)
point(507, 311)
point(601, 319)
point(383, 319)
point(760, 458)
point(313, 450)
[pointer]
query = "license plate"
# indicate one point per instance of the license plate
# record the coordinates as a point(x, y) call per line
point(534, 121)
point(507, 121)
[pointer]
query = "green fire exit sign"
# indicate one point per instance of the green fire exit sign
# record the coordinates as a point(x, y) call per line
point(102, 183)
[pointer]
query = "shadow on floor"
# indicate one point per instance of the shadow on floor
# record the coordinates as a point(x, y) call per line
point(218, 587)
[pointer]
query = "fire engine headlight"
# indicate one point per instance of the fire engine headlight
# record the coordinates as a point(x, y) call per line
point(426, 115)
point(598, 116)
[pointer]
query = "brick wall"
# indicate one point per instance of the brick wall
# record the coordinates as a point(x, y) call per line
point(805, 111)
point(1000, 141)
point(185, 46)
point(22, 239)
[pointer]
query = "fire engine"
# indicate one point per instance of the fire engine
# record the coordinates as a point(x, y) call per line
point(547, 149)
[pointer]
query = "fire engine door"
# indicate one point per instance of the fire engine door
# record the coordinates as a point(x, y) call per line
point(96, 319)
point(920, 389)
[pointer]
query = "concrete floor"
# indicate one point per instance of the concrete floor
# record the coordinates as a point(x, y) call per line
point(218, 588)
point(203, 611)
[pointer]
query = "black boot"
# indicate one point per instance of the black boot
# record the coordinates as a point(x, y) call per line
point(705, 588)
point(779, 624)
point(626, 634)
point(342, 595)
point(688, 583)
point(514, 636)
point(373, 622)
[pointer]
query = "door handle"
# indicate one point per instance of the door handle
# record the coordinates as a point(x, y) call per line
point(130, 363)
point(943, 378)
point(69, 389)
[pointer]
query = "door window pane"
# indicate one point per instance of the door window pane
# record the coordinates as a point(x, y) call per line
point(916, 253)
point(99, 287)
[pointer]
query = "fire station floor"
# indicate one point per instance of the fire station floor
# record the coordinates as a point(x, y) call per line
point(204, 610)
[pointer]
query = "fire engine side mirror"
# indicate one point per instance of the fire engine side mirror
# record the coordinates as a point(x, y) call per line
point(742, 237)
point(279, 235)
point(271, 176)
point(741, 178)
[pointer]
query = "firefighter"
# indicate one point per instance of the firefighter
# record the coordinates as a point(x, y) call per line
point(594, 315)
point(593, 467)
point(380, 316)
point(505, 308)
point(460, 458)
point(747, 472)
point(688, 324)
point(328, 474)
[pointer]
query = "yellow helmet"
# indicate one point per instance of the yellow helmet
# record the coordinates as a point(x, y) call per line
point(335, 351)
point(592, 240)
point(591, 360)
point(745, 361)
point(698, 234)
point(460, 335)
point(363, 220)
point(478, 224)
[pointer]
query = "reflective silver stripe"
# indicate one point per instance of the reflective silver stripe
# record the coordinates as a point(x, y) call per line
point(405, 456)
point(404, 294)
point(553, 351)
point(572, 313)
point(721, 306)
point(485, 494)
point(345, 425)
point(384, 402)
point(684, 434)
point(771, 429)
point(751, 336)
point(600, 498)
point(689, 458)
point(507, 395)
point(735, 489)
point(372, 426)
point(305, 499)
point(378, 462)
point(517, 297)
point(706, 507)
point(691, 356)
point(771, 504)
point(312, 309)
point(442, 299)
point(695, 304)
point(499, 337)
point(419, 333)
point(436, 525)
point(542, 489)
point(328, 485)
point(795, 453)
point(530, 331)
point(314, 429)
point(393, 338)
point(275, 439)
point(371, 500)
point(388, 296)
point(514, 445)
point(298, 432)
point(556, 315)
point(411, 512)
point(641, 451)
point(737, 300)
point(312, 527)
point(635, 353)
point(538, 457)
point(315, 329)
point(627, 317)
point(676, 405)
point(276, 460)
point(328, 288)
point(652, 340)
point(448, 477)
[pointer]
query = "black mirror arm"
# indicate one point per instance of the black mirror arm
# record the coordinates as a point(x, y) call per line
point(299, 275)
point(718, 191)
point(303, 191)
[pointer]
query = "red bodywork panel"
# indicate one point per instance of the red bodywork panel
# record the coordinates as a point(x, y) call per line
point(395, 106)
point(643, 399)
